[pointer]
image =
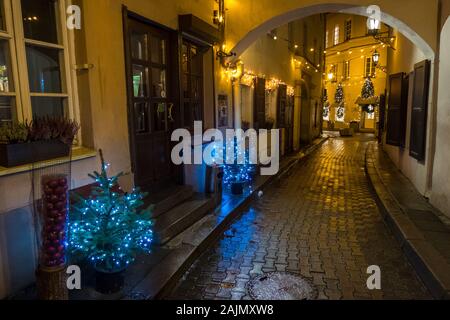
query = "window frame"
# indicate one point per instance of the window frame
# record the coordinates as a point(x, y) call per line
point(348, 28)
point(369, 71)
point(9, 36)
point(18, 44)
point(347, 69)
point(337, 35)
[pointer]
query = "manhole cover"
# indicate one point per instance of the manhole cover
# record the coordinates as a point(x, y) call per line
point(281, 286)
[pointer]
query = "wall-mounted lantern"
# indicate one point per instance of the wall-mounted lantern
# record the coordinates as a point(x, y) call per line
point(376, 58)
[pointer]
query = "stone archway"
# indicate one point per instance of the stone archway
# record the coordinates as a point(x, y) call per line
point(295, 12)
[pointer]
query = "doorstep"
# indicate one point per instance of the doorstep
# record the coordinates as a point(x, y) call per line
point(423, 231)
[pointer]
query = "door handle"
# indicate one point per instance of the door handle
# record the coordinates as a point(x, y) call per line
point(170, 115)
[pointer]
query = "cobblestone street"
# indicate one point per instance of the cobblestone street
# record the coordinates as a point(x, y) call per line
point(321, 222)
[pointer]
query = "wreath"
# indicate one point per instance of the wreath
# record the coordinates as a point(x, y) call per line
point(340, 112)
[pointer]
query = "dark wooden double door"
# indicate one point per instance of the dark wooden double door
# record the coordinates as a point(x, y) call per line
point(153, 107)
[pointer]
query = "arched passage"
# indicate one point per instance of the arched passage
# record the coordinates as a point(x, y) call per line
point(305, 11)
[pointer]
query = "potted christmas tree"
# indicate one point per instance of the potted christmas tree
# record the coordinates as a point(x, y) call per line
point(108, 229)
point(238, 173)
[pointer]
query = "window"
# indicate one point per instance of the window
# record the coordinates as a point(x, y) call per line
point(346, 70)
point(333, 73)
point(327, 43)
point(336, 35)
point(369, 68)
point(35, 77)
point(192, 84)
point(348, 30)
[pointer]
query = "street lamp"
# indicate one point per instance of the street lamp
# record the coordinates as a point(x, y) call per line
point(374, 26)
point(376, 58)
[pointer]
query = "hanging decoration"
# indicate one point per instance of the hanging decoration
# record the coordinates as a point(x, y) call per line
point(272, 84)
point(248, 79)
point(107, 227)
point(339, 99)
point(290, 91)
point(370, 109)
point(340, 113)
point(339, 95)
point(326, 111)
point(368, 90)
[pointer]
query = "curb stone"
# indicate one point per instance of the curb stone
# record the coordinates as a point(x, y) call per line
point(429, 264)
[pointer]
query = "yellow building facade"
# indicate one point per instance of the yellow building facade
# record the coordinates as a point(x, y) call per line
point(349, 62)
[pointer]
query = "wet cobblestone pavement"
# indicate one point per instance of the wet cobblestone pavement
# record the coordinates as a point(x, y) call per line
point(321, 223)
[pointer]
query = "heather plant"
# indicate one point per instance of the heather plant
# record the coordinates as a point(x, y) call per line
point(13, 133)
point(40, 129)
point(54, 128)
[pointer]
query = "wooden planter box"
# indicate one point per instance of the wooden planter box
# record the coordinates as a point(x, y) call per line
point(13, 155)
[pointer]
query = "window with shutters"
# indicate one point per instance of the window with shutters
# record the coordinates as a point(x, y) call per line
point(419, 110)
point(397, 110)
point(348, 30)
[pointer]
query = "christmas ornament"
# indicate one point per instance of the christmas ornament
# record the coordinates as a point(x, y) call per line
point(54, 221)
point(339, 95)
point(340, 113)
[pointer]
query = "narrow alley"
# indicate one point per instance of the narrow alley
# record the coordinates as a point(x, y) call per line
point(321, 222)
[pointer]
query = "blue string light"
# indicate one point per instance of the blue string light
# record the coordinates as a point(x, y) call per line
point(108, 228)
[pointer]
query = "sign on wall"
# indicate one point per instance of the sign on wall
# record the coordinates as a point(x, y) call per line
point(223, 110)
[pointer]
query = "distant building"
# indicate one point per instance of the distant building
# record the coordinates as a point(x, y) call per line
point(349, 61)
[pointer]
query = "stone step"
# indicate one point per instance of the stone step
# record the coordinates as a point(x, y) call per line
point(181, 217)
point(169, 198)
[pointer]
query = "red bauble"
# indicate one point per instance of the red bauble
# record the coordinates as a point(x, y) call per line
point(52, 184)
point(62, 182)
point(60, 190)
point(48, 190)
point(60, 205)
point(50, 249)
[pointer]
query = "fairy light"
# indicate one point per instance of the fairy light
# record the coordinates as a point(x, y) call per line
point(108, 228)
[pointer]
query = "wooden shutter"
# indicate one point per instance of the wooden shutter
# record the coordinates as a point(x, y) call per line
point(260, 104)
point(382, 117)
point(281, 106)
point(419, 110)
point(397, 110)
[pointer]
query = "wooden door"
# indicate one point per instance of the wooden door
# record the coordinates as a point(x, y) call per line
point(290, 124)
point(259, 115)
point(382, 117)
point(152, 106)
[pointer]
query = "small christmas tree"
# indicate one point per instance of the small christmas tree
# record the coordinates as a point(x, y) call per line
point(107, 227)
point(237, 172)
point(339, 95)
point(368, 90)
